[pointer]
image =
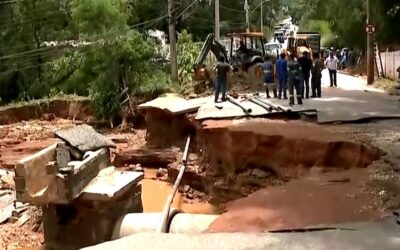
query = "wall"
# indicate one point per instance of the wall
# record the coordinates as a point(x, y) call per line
point(391, 61)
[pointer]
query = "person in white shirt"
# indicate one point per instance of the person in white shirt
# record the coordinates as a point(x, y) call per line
point(331, 63)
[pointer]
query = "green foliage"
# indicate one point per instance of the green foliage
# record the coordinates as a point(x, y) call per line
point(94, 17)
point(320, 26)
point(188, 52)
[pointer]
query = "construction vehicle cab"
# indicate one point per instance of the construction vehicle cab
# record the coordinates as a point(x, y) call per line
point(246, 55)
point(304, 42)
point(250, 51)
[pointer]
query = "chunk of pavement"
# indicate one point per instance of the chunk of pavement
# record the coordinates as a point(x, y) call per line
point(110, 184)
point(259, 173)
point(84, 138)
point(23, 219)
point(7, 199)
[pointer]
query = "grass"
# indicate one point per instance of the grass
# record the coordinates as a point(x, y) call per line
point(44, 100)
point(387, 85)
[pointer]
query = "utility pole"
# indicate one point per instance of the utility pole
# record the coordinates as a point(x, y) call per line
point(172, 41)
point(217, 26)
point(262, 17)
point(370, 50)
point(247, 8)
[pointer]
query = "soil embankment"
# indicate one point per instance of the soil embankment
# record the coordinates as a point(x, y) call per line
point(78, 109)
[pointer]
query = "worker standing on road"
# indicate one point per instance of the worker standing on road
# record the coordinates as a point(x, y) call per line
point(282, 74)
point(316, 70)
point(222, 69)
point(269, 78)
point(331, 63)
point(306, 65)
point(294, 72)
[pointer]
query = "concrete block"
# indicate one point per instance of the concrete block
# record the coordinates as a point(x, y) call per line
point(40, 181)
point(32, 182)
point(63, 156)
point(110, 184)
point(84, 223)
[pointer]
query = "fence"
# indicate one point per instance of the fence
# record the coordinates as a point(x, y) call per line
point(391, 61)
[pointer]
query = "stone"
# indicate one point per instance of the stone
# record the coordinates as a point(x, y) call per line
point(259, 173)
point(138, 168)
point(160, 172)
point(186, 188)
point(49, 117)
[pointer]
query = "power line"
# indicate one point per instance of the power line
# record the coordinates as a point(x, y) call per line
point(231, 9)
point(32, 52)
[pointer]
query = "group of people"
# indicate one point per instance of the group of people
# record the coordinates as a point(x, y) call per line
point(291, 74)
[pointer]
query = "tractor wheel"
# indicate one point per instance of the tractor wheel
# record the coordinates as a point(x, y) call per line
point(255, 76)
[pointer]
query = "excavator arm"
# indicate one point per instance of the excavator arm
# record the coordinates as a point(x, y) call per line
point(200, 73)
point(210, 45)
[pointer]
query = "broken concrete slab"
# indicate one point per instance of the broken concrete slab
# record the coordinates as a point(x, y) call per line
point(40, 182)
point(7, 199)
point(175, 104)
point(110, 184)
point(84, 138)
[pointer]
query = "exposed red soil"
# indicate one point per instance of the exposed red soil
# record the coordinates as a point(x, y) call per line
point(78, 109)
point(300, 203)
point(286, 148)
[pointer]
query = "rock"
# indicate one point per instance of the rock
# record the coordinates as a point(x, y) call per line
point(259, 173)
point(186, 188)
point(161, 172)
point(138, 168)
point(190, 196)
point(49, 117)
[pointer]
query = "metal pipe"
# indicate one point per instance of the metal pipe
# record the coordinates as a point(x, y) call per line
point(276, 107)
point(170, 198)
point(246, 111)
point(266, 107)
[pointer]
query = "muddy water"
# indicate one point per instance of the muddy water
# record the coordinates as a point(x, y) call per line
point(155, 193)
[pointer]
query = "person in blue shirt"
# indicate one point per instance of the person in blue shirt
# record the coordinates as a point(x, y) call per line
point(269, 79)
point(282, 74)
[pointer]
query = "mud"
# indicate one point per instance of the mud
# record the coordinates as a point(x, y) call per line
point(68, 109)
point(313, 200)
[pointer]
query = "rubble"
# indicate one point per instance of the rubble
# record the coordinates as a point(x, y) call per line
point(81, 194)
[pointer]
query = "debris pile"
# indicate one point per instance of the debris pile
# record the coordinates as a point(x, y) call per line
point(81, 194)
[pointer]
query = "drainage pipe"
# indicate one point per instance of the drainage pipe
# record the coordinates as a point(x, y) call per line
point(183, 223)
point(246, 111)
point(266, 107)
point(165, 213)
point(140, 223)
point(178, 223)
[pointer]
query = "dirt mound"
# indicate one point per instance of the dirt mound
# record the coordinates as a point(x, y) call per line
point(61, 108)
point(282, 148)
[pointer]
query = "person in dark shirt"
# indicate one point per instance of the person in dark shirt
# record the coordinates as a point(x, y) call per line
point(316, 70)
point(222, 69)
point(269, 76)
point(306, 65)
point(282, 74)
point(294, 75)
